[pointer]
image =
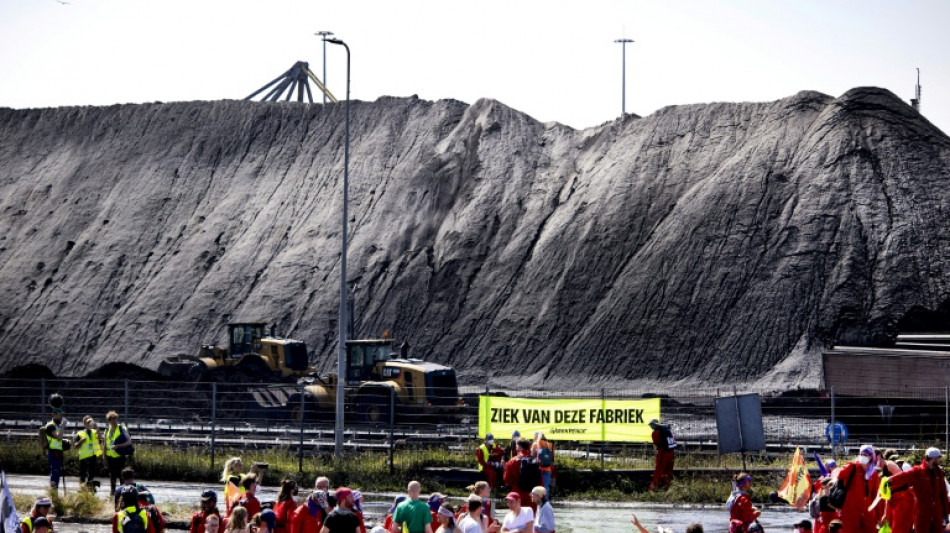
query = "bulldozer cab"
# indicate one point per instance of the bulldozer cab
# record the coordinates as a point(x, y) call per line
point(245, 338)
point(362, 356)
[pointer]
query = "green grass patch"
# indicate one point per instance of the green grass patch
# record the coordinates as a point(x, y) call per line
point(579, 476)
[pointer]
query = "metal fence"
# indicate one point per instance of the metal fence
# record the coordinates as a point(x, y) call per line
point(255, 415)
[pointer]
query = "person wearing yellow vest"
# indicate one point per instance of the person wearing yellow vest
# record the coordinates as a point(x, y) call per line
point(54, 441)
point(130, 518)
point(39, 512)
point(115, 443)
point(489, 456)
point(90, 450)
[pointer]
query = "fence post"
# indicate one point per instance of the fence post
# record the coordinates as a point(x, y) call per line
point(392, 427)
point(834, 441)
point(303, 417)
point(603, 441)
point(43, 396)
point(125, 412)
point(214, 406)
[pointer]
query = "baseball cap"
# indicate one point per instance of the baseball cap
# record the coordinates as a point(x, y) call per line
point(489, 437)
point(933, 453)
point(44, 501)
point(804, 524)
point(513, 496)
point(515, 433)
point(39, 522)
point(209, 495)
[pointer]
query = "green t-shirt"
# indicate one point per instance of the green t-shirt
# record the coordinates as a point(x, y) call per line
point(414, 514)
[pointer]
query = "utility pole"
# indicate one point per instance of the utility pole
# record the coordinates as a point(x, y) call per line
point(623, 83)
point(341, 348)
point(323, 35)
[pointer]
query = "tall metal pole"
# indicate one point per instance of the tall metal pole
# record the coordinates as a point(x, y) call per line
point(623, 81)
point(341, 353)
point(324, 34)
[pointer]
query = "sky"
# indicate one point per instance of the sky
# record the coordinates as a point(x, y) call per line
point(554, 60)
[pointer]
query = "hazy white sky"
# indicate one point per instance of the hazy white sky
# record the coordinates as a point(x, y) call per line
point(555, 60)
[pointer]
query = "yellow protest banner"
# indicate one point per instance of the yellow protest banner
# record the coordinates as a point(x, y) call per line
point(587, 419)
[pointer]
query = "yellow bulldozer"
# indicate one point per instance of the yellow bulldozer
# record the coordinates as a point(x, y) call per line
point(380, 376)
point(380, 379)
point(250, 351)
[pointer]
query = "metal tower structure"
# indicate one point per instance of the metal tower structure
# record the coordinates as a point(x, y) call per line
point(623, 86)
point(297, 79)
point(323, 36)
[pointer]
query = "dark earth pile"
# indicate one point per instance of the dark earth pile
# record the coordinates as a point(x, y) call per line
point(708, 243)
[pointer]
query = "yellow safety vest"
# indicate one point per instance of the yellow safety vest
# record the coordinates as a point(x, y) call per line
point(90, 444)
point(131, 510)
point(485, 455)
point(29, 523)
point(111, 438)
point(54, 444)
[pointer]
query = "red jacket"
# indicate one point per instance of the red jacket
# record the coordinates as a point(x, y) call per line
point(861, 493)
point(929, 488)
point(198, 521)
point(742, 510)
point(513, 470)
point(304, 522)
point(284, 511)
point(252, 504)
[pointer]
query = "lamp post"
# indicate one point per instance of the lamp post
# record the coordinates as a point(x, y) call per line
point(341, 353)
point(623, 83)
point(324, 34)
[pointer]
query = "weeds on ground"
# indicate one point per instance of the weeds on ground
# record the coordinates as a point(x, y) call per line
point(81, 503)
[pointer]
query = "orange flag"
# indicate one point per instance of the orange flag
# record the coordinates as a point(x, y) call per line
point(796, 489)
point(232, 494)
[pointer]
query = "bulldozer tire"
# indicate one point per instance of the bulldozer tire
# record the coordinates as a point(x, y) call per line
point(373, 405)
point(312, 410)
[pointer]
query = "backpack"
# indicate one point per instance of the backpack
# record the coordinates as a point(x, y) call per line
point(529, 474)
point(838, 492)
point(44, 443)
point(545, 456)
point(132, 523)
point(122, 439)
point(814, 506)
point(156, 518)
point(668, 441)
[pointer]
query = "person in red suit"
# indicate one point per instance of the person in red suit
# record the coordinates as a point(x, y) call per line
point(741, 511)
point(512, 474)
point(309, 516)
point(861, 482)
point(899, 511)
point(489, 457)
point(928, 483)
point(664, 443)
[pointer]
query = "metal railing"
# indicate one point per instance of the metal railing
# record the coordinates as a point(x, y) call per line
point(242, 415)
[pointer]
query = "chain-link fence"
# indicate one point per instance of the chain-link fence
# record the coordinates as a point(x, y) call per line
point(300, 417)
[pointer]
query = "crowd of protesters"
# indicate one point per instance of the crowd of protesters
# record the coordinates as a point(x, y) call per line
point(874, 492)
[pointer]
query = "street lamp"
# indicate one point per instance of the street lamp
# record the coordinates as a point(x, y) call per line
point(623, 89)
point(341, 353)
point(324, 34)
